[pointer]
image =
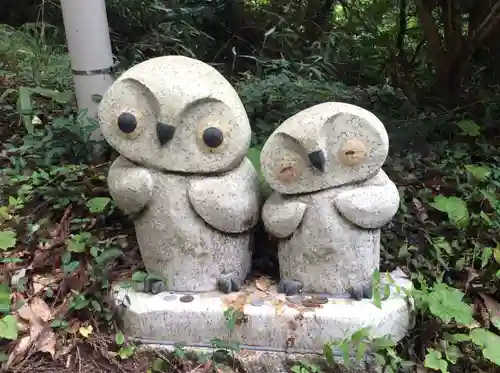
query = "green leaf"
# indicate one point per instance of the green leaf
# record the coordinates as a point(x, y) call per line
point(253, 155)
point(459, 337)
point(469, 127)
point(76, 246)
point(139, 276)
point(478, 172)
point(496, 255)
point(453, 354)
point(5, 293)
point(119, 338)
point(126, 352)
point(70, 267)
point(108, 254)
point(7, 240)
point(98, 204)
point(328, 352)
point(8, 328)
point(446, 303)
point(433, 360)
point(360, 334)
point(454, 207)
point(360, 354)
point(486, 256)
point(489, 342)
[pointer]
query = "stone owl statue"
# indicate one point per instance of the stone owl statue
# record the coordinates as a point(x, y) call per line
point(182, 175)
point(330, 198)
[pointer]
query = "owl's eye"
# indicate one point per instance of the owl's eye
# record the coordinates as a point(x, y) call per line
point(213, 137)
point(127, 123)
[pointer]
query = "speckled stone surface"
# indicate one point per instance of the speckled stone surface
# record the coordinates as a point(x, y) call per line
point(194, 228)
point(335, 128)
point(193, 199)
point(187, 94)
point(329, 222)
point(272, 326)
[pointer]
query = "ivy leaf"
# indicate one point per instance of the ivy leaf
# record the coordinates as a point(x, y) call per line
point(98, 204)
point(469, 127)
point(478, 172)
point(7, 240)
point(119, 338)
point(446, 303)
point(489, 342)
point(8, 328)
point(453, 354)
point(76, 244)
point(434, 361)
point(454, 207)
point(126, 352)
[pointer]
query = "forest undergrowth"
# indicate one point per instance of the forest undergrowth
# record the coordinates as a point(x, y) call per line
point(63, 242)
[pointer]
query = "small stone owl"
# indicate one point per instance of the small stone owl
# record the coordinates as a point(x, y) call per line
point(330, 198)
point(182, 175)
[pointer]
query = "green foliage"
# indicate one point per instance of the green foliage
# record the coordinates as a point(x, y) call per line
point(282, 57)
point(446, 303)
point(434, 360)
point(98, 204)
point(488, 342)
point(454, 207)
point(7, 240)
point(8, 327)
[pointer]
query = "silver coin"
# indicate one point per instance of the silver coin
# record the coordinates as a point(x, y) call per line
point(257, 302)
point(170, 297)
point(186, 299)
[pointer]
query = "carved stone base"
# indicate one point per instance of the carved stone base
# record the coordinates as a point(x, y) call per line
point(274, 323)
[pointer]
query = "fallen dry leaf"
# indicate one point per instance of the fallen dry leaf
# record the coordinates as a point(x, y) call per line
point(263, 283)
point(37, 308)
point(19, 352)
point(493, 308)
point(419, 209)
point(279, 306)
point(47, 343)
point(41, 282)
point(37, 314)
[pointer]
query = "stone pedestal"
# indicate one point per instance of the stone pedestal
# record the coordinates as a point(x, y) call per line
point(277, 326)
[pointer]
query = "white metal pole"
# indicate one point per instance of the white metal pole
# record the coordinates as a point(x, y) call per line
point(89, 44)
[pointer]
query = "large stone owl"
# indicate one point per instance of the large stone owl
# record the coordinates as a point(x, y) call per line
point(330, 198)
point(182, 175)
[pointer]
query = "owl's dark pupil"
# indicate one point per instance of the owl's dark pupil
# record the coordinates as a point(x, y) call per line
point(127, 122)
point(213, 137)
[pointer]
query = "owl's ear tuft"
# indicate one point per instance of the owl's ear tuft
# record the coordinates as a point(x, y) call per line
point(142, 88)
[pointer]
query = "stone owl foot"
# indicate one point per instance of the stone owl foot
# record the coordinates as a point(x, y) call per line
point(154, 286)
point(228, 283)
point(289, 287)
point(363, 292)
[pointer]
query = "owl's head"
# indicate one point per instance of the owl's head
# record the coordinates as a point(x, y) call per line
point(324, 146)
point(178, 114)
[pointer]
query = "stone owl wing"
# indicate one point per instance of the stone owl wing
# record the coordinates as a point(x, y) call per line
point(371, 205)
point(229, 202)
point(131, 186)
point(280, 216)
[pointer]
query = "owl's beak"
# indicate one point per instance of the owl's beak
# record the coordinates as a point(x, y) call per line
point(165, 132)
point(318, 160)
